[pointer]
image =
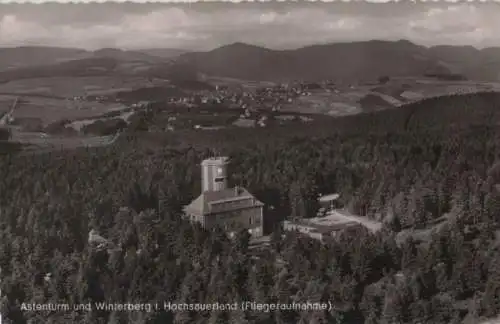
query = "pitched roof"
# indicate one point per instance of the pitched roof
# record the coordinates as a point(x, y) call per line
point(204, 203)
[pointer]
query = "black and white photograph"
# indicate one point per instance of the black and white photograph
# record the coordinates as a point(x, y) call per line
point(279, 162)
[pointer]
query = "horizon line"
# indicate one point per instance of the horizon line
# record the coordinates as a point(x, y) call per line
point(132, 49)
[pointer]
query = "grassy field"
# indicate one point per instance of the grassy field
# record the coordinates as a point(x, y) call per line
point(51, 99)
point(77, 86)
point(244, 84)
point(79, 124)
point(50, 110)
point(348, 100)
point(43, 142)
point(428, 87)
point(329, 103)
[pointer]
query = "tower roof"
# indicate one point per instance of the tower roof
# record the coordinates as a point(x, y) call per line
point(216, 160)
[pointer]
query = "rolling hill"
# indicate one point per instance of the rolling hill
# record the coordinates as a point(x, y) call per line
point(150, 94)
point(163, 52)
point(72, 68)
point(35, 56)
point(346, 62)
point(342, 61)
point(103, 65)
point(350, 62)
point(477, 64)
point(122, 55)
point(430, 114)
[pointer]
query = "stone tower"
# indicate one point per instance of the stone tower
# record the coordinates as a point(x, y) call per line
point(214, 174)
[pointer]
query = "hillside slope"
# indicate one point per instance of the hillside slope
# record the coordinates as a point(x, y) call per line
point(355, 61)
point(453, 111)
point(34, 56)
point(476, 64)
point(342, 61)
point(347, 62)
point(101, 65)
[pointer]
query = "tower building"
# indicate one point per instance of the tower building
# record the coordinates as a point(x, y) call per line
point(233, 209)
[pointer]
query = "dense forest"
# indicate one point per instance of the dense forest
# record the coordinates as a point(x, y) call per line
point(430, 171)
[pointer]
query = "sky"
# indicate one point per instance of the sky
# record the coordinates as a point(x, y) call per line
point(277, 25)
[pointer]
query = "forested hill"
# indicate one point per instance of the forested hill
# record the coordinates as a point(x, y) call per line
point(426, 169)
point(456, 111)
point(440, 116)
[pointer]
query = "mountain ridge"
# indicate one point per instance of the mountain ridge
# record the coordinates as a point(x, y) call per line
point(346, 61)
point(35, 56)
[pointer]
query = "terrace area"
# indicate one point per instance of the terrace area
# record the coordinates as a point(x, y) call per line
point(329, 225)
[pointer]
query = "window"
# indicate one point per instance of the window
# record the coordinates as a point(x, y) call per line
point(250, 220)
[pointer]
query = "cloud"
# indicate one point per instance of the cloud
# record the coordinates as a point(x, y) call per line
point(211, 25)
point(455, 24)
point(14, 30)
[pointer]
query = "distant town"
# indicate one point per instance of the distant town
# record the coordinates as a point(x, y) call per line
point(164, 106)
